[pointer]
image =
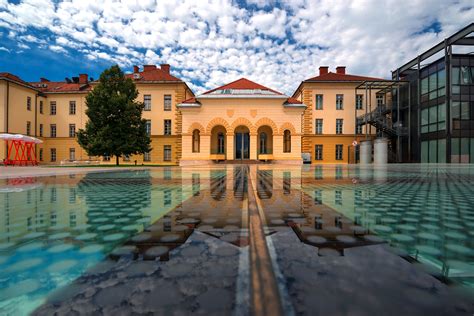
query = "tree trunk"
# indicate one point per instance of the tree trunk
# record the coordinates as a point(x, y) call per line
point(117, 160)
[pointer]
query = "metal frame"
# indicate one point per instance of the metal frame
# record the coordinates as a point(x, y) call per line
point(381, 87)
point(460, 38)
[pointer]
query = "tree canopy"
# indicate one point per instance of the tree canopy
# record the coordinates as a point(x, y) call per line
point(115, 126)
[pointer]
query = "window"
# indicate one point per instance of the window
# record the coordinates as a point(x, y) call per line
point(220, 143)
point(147, 156)
point(358, 129)
point(263, 143)
point(106, 158)
point(41, 130)
point(287, 141)
point(380, 99)
point(167, 153)
point(28, 128)
point(72, 154)
point(434, 151)
point(339, 123)
point(52, 108)
point(147, 102)
point(126, 158)
point(72, 130)
point(53, 154)
point(196, 141)
point(318, 152)
point(148, 127)
point(319, 126)
point(28, 103)
point(41, 107)
point(434, 118)
point(41, 154)
point(167, 102)
point(339, 152)
point(359, 101)
point(72, 107)
point(339, 101)
point(319, 101)
point(167, 127)
point(53, 130)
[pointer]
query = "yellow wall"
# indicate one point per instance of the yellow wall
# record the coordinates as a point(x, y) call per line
point(329, 114)
point(252, 113)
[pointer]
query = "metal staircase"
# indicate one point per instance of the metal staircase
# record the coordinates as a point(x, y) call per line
point(381, 119)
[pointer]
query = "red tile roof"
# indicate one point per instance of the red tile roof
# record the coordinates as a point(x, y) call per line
point(60, 86)
point(331, 77)
point(190, 101)
point(293, 101)
point(13, 78)
point(154, 74)
point(243, 84)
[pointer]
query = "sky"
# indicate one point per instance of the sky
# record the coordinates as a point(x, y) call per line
point(212, 42)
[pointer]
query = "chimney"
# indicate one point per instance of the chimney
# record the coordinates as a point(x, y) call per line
point(323, 70)
point(44, 80)
point(149, 67)
point(165, 68)
point(341, 70)
point(135, 69)
point(83, 78)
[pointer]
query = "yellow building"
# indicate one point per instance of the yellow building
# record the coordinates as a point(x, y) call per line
point(329, 127)
point(54, 111)
point(242, 120)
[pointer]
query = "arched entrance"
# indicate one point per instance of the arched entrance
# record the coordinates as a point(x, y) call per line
point(265, 140)
point(218, 137)
point(242, 142)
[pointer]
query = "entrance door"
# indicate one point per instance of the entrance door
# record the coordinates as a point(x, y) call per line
point(242, 145)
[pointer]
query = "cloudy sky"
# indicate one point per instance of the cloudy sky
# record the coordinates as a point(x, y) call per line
point(209, 43)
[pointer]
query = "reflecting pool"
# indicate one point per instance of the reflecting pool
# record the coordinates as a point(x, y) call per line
point(239, 239)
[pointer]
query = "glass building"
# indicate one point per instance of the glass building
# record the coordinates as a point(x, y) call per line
point(436, 105)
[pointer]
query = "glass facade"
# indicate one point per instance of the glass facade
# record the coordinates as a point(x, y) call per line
point(446, 125)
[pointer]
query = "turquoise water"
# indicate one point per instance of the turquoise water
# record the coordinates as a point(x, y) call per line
point(55, 228)
point(425, 212)
point(182, 234)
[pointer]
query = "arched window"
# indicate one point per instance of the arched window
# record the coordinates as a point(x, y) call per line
point(287, 141)
point(263, 143)
point(196, 141)
point(220, 143)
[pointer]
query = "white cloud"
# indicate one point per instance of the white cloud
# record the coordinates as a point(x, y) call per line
point(4, 49)
point(212, 42)
point(57, 49)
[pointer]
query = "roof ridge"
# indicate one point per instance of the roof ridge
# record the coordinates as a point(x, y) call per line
point(225, 86)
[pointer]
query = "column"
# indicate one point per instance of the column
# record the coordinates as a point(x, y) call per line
point(229, 147)
point(253, 146)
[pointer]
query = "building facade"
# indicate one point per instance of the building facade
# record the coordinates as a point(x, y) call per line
point(437, 103)
point(54, 111)
point(242, 120)
point(329, 128)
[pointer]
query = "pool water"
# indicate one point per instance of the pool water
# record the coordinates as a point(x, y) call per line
point(225, 238)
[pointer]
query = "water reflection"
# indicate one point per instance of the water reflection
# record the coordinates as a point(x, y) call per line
point(177, 239)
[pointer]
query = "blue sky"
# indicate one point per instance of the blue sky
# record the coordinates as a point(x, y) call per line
point(209, 43)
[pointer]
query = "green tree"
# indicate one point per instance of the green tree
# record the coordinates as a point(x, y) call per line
point(115, 126)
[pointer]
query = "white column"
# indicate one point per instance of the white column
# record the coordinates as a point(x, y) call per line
point(365, 152)
point(381, 151)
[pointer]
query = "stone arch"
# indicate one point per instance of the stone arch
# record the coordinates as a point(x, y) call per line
point(218, 121)
point(197, 126)
point(266, 121)
point(245, 122)
point(287, 126)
